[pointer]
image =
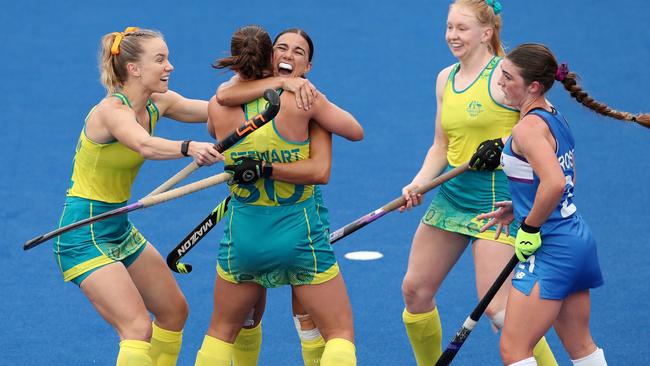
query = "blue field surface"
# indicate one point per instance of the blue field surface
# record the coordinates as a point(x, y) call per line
point(377, 59)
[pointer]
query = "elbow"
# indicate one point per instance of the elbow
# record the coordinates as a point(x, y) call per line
point(147, 154)
point(220, 98)
point(223, 98)
point(357, 135)
point(322, 175)
point(322, 179)
point(556, 189)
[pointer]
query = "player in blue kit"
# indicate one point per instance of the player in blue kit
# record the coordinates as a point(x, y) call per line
point(556, 248)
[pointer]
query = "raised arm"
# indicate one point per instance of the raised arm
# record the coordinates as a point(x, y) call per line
point(336, 120)
point(237, 91)
point(179, 108)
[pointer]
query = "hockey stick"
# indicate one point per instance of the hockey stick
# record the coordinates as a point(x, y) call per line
point(242, 131)
point(142, 203)
point(393, 205)
point(469, 324)
point(206, 225)
point(193, 238)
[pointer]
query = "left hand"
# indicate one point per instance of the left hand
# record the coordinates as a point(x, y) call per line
point(411, 197)
point(245, 170)
point(303, 89)
point(487, 155)
point(502, 217)
point(527, 242)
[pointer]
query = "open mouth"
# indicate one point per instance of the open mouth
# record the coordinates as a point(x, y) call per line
point(284, 69)
point(165, 78)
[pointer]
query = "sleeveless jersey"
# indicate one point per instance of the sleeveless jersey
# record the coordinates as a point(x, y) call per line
point(267, 144)
point(105, 172)
point(471, 116)
point(523, 180)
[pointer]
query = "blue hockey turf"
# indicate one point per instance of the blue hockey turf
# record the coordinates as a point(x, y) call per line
point(377, 59)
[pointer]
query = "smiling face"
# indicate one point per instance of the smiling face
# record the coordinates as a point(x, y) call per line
point(464, 32)
point(154, 67)
point(291, 56)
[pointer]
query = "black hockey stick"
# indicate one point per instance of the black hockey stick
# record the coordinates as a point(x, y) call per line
point(454, 346)
point(193, 238)
point(199, 232)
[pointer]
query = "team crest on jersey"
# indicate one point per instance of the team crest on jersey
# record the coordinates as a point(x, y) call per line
point(474, 108)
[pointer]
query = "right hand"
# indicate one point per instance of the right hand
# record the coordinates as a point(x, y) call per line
point(204, 153)
point(412, 198)
point(303, 89)
point(487, 155)
point(245, 170)
point(502, 217)
point(528, 240)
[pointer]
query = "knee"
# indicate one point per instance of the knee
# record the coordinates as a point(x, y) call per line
point(173, 316)
point(333, 325)
point(137, 328)
point(513, 350)
point(417, 295)
point(182, 311)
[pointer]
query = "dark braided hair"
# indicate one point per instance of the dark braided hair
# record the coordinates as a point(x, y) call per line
point(537, 63)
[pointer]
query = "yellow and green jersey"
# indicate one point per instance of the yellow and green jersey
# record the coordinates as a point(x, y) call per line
point(105, 171)
point(471, 116)
point(267, 144)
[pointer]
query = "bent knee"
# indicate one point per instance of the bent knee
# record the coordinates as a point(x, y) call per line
point(513, 350)
point(418, 296)
point(174, 315)
point(138, 328)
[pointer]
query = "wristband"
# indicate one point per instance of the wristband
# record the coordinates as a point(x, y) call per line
point(529, 229)
point(267, 171)
point(184, 146)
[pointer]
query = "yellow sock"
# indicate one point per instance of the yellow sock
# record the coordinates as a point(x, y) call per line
point(247, 346)
point(134, 353)
point(339, 352)
point(165, 346)
point(214, 352)
point(543, 354)
point(312, 351)
point(425, 334)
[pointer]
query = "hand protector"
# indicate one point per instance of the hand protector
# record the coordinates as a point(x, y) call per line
point(528, 240)
point(487, 155)
point(244, 170)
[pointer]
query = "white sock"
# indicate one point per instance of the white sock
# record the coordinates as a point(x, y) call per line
point(595, 359)
point(527, 362)
point(305, 335)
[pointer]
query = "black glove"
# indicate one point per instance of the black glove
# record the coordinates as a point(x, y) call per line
point(244, 170)
point(487, 156)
